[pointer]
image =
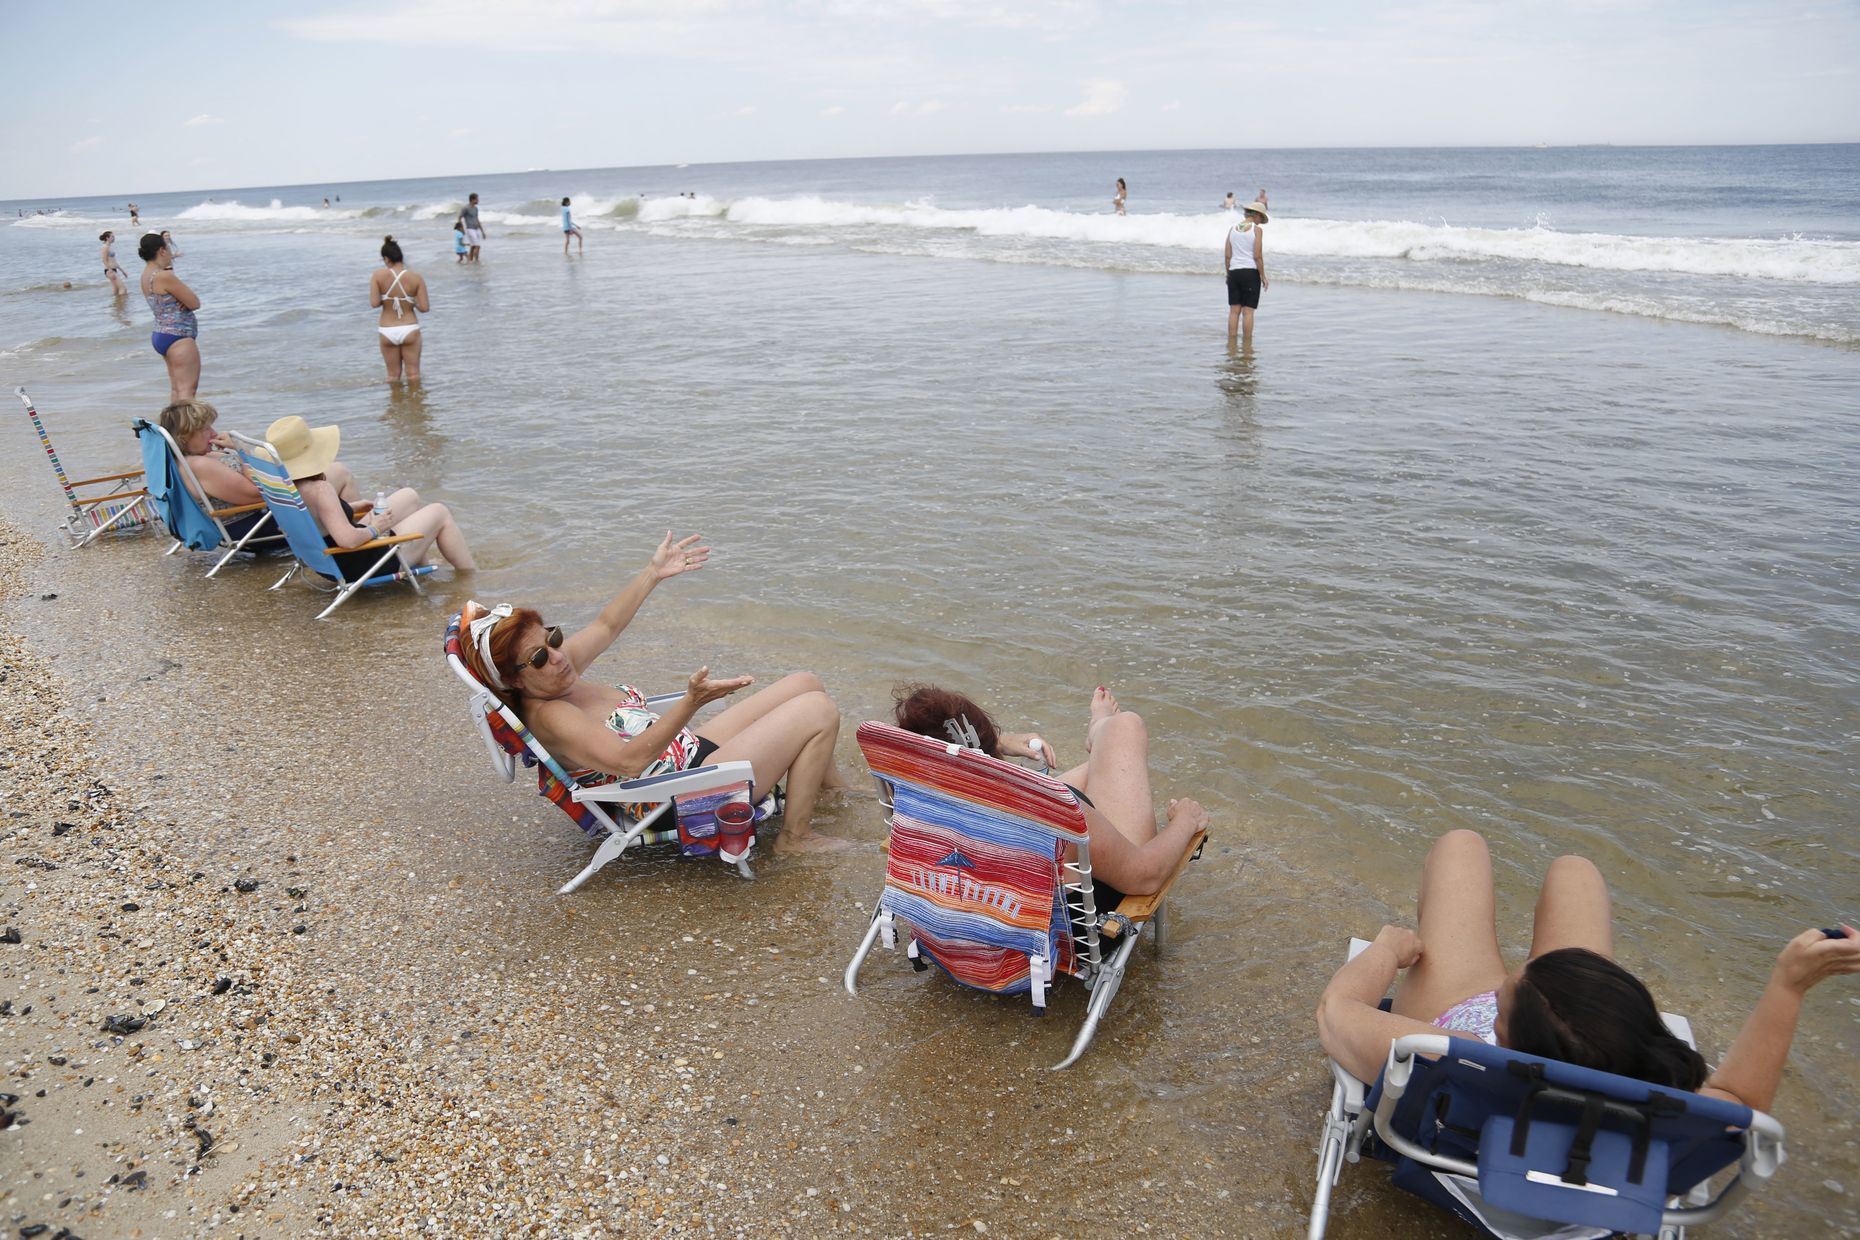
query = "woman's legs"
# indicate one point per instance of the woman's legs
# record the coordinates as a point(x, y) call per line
point(1246, 323)
point(1458, 919)
point(795, 739)
point(1573, 909)
point(116, 284)
point(183, 358)
point(740, 715)
point(390, 354)
point(410, 352)
point(435, 521)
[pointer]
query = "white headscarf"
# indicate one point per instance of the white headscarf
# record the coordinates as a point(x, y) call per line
point(481, 642)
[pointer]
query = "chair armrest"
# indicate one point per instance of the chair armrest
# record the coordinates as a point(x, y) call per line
point(670, 784)
point(1140, 909)
point(87, 482)
point(94, 500)
point(375, 544)
point(235, 511)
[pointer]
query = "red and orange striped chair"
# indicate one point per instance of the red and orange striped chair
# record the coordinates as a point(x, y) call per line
point(990, 876)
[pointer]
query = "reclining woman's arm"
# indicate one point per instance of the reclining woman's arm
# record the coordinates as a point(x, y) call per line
point(1753, 1067)
point(1353, 1029)
point(671, 559)
point(584, 743)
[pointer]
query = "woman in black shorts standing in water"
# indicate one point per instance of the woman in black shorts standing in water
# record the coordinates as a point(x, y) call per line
point(1246, 270)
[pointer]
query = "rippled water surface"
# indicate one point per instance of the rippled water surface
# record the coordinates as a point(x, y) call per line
point(1582, 581)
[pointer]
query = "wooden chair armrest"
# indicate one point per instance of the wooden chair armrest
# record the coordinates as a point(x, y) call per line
point(1140, 909)
point(86, 482)
point(96, 500)
point(221, 513)
point(375, 544)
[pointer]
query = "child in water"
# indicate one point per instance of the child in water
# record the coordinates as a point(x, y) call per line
point(458, 239)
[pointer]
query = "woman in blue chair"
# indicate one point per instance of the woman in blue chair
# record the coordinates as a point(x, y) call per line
point(1570, 1001)
point(787, 730)
point(1129, 856)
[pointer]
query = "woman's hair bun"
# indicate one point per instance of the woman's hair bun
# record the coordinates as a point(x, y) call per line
point(387, 238)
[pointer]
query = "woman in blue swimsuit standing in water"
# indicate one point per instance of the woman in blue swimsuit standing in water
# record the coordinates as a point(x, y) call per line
point(173, 304)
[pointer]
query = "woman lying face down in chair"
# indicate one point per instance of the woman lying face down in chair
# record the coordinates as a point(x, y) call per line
point(1128, 854)
point(786, 729)
point(1570, 1001)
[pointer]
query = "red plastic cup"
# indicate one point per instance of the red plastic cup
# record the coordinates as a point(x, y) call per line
point(736, 829)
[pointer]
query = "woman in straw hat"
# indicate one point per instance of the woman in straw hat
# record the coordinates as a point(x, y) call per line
point(788, 729)
point(307, 454)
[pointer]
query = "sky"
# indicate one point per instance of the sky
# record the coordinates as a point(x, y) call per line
point(117, 99)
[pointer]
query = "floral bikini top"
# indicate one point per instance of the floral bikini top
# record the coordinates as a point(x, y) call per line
point(628, 720)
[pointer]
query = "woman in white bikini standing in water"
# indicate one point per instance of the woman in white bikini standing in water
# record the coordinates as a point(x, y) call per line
point(399, 293)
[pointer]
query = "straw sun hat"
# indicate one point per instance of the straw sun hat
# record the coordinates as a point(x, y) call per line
point(304, 452)
point(1259, 209)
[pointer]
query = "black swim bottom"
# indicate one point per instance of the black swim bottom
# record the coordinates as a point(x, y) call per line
point(705, 748)
point(1243, 287)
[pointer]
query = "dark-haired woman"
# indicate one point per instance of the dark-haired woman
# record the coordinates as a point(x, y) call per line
point(173, 305)
point(112, 272)
point(399, 292)
point(1128, 854)
point(788, 729)
point(1570, 1001)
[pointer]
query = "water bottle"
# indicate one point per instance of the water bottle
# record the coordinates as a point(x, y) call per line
point(381, 507)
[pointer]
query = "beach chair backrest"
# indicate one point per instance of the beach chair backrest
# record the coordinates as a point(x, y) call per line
point(168, 477)
point(286, 506)
point(1558, 1142)
point(977, 858)
point(509, 740)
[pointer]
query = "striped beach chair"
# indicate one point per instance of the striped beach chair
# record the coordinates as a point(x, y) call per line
point(619, 815)
point(116, 503)
point(989, 877)
point(305, 540)
point(173, 490)
point(1522, 1146)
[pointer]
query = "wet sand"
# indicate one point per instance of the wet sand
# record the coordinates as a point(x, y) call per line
point(418, 1036)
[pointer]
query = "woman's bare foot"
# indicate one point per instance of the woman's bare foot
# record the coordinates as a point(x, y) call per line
point(1103, 706)
point(812, 842)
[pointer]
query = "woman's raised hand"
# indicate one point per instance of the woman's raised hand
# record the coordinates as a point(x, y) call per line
point(675, 557)
point(701, 688)
point(1812, 957)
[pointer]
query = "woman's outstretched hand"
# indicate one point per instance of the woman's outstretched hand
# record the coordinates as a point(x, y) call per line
point(1812, 957)
point(682, 556)
point(701, 688)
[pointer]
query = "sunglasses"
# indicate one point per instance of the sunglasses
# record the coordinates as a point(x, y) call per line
point(552, 640)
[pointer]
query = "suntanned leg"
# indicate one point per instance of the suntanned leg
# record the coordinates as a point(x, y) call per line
point(1117, 775)
point(1573, 909)
point(390, 354)
point(739, 715)
point(183, 358)
point(1246, 322)
point(795, 739)
point(1233, 321)
point(1456, 912)
point(410, 354)
point(435, 521)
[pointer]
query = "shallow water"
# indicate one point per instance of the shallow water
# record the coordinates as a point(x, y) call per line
point(1581, 581)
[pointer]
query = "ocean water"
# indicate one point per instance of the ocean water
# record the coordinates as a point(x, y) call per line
point(1532, 510)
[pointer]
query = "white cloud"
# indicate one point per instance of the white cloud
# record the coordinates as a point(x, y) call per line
point(86, 144)
point(205, 119)
point(1102, 96)
point(461, 133)
point(748, 109)
point(904, 107)
point(1018, 108)
point(930, 105)
point(835, 110)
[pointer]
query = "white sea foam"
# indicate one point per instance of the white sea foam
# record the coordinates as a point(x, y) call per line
point(1793, 259)
point(237, 213)
point(434, 210)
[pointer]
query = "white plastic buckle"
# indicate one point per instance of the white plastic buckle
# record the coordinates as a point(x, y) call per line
point(1039, 973)
point(888, 932)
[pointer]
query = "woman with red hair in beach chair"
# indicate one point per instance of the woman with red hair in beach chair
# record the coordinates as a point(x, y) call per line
point(788, 729)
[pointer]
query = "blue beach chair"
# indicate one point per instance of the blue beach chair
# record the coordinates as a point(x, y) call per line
point(1524, 1147)
point(639, 806)
point(173, 490)
point(977, 875)
point(306, 540)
